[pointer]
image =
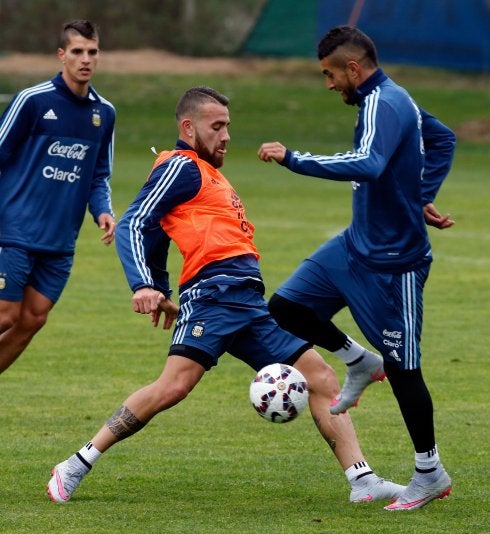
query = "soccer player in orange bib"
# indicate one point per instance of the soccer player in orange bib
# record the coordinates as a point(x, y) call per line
point(222, 307)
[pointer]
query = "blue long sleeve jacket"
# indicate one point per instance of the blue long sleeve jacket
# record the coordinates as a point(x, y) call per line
point(56, 151)
point(400, 157)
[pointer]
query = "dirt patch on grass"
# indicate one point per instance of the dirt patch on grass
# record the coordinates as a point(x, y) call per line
point(133, 61)
point(155, 61)
point(475, 130)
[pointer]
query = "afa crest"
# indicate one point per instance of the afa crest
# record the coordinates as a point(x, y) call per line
point(197, 330)
point(96, 120)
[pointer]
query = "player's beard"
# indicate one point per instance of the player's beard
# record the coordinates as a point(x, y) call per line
point(216, 160)
point(350, 96)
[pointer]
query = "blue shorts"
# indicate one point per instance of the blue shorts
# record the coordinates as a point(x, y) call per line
point(387, 307)
point(234, 319)
point(46, 273)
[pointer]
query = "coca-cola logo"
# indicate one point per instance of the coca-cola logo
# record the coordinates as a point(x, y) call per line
point(75, 151)
point(396, 334)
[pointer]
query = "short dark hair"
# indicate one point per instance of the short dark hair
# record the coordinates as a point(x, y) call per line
point(195, 97)
point(349, 37)
point(83, 27)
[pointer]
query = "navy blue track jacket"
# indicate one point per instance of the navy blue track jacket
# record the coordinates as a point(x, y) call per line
point(400, 158)
point(56, 151)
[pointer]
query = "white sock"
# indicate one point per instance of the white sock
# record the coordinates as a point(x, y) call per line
point(350, 352)
point(427, 462)
point(357, 472)
point(88, 454)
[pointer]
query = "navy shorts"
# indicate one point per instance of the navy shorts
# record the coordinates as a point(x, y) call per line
point(234, 319)
point(387, 307)
point(46, 273)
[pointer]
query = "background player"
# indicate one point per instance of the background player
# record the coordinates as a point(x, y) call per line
point(56, 149)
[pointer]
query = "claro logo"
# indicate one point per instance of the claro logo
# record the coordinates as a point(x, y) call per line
point(395, 338)
point(76, 151)
point(53, 173)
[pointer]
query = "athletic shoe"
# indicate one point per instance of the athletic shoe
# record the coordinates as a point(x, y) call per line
point(419, 494)
point(65, 478)
point(376, 489)
point(359, 376)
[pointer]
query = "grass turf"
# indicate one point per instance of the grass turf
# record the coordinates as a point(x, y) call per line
point(211, 464)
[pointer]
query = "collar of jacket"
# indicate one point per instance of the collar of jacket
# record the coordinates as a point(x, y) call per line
point(367, 86)
point(61, 85)
point(182, 145)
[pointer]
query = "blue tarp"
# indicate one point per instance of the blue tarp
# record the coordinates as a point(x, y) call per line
point(452, 34)
point(444, 33)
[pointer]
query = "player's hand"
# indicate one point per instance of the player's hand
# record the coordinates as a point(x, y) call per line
point(147, 300)
point(170, 309)
point(434, 218)
point(108, 225)
point(272, 151)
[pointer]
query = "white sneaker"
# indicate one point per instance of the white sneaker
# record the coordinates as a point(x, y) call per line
point(359, 376)
point(419, 494)
point(375, 490)
point(65, 479)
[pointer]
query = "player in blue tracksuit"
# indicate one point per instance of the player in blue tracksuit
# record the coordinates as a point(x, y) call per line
point(377, 266)
point(56, 148)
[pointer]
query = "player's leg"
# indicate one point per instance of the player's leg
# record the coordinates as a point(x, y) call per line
point(305, 304)
point(388, 309)
point(9, 314)
point(263, 343)
point(35, 282)
point(26, 319)
point(323, 386)
point(402, 364)
point(430, 480)
point(177, 380)
point(194, 350)
point(338, 431)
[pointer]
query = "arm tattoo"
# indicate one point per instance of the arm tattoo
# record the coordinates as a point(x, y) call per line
point(124, 423)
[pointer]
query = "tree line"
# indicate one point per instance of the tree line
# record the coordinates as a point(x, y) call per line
point(189, 27)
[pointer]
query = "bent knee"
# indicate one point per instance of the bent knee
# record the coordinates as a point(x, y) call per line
point(33, 322)
point(170, 395)
point(6, 323)
point(326, 381)
point(9, 315)
point(321, 376)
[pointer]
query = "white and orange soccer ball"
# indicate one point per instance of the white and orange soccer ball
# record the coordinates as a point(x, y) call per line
point(279, 393)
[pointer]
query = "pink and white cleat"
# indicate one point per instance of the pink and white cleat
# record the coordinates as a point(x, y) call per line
point(359, 377)
point(419, 493)
point(65, 478)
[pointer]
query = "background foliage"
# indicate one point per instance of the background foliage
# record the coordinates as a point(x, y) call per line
point(191, 27)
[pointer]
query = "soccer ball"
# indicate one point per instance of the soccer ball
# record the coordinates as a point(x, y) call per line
point(279, 393)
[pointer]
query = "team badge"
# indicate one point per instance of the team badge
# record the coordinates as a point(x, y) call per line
point(197, 330)
point(3, 282)
point(96, 120)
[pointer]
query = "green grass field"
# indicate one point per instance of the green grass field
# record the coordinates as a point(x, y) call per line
point(211, 465)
